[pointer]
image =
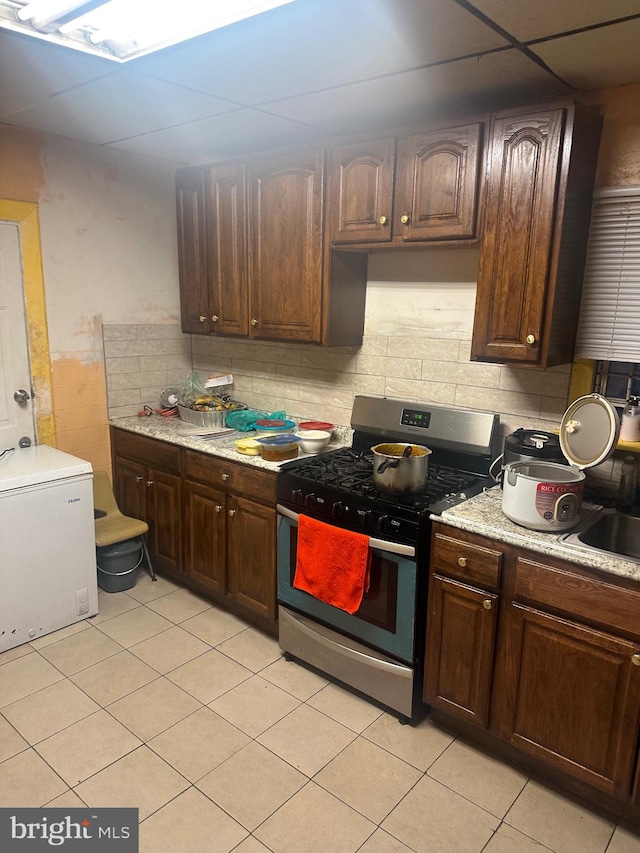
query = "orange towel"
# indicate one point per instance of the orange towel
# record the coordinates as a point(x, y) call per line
point(332, 564)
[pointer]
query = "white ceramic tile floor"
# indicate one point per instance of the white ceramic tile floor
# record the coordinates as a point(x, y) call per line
point(223, 745)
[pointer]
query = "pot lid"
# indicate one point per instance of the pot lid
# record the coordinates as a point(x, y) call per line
point(589, 431)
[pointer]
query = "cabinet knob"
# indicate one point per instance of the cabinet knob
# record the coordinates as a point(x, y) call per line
point(225, 476)
point(382, 220)
point(232, 512)
point(149, 482)
point(214, 318)
point(139, 478)
point(531, 339)
point(487, 604)
point(635, 659)
point(462, 561)
point(404, 219)
point(218, 507)
point(202, 318)
point(254, 322)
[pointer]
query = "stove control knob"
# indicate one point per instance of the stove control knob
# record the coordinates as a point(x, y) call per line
point(380, 522)
point(315, 500)
point(297, 496)
point(339, 509)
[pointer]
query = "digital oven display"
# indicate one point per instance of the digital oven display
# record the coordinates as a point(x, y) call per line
point(415, 418)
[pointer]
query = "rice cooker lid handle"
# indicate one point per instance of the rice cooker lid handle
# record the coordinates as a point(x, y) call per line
point(589, 431)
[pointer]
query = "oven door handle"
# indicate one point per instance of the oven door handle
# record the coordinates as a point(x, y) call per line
point(378, 544)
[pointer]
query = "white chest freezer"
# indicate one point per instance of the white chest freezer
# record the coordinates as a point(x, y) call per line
point(48, 577)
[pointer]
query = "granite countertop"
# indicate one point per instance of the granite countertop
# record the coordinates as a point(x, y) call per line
point(175, 431)
point(483, 515)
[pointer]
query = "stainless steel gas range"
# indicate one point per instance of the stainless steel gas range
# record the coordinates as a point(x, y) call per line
point(379, 649)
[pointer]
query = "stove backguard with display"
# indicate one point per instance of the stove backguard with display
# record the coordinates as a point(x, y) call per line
point(379, 650)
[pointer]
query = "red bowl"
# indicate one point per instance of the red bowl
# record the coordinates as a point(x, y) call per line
point(323, 425)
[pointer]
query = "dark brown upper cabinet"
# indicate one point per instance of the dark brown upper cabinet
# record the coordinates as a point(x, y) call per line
point(421, 189)
point(437, 188)
point(360, 191)
point(227, 249)
point(287, 205)
point(253, 258)
point(192, 250)
point(212, 249)
point(540, 173)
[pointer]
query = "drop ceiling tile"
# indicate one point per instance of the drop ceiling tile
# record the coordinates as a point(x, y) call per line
point(307, 46)
point(32, 70)
point(115, 107)
point(489, 81)
point(221, 137)
point(534, 20)
point(595, 59)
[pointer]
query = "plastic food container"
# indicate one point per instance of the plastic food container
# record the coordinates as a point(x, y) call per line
point(325, 426)
point(274, 427)
point(249, 446)
point(277, 448)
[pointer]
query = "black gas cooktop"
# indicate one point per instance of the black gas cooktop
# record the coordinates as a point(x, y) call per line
point(338, 485)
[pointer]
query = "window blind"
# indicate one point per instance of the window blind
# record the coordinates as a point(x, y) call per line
point(609, 324)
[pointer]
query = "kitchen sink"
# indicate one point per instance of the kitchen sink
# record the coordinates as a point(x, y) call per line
point(610, 532)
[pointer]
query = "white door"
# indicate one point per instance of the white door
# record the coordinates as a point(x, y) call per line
point(16, 407)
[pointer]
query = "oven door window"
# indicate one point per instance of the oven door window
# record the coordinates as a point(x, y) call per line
point(386, 616)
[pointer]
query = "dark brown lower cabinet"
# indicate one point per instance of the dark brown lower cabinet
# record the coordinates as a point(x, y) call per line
point(251, 539)
point(229, 548)
point(147, 485)
point(576, 696)
point(204, 551)
point(460, 649)
point(543, 663)
point(212, 522)
point(230, 534)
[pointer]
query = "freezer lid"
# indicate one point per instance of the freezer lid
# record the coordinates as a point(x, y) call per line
point(31, 466)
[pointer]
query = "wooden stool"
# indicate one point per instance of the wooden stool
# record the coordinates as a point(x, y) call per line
point(111, 526)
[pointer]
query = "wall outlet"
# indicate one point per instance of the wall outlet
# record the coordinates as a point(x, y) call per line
point(82, 601)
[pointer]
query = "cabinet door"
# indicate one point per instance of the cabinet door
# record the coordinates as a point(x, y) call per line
point(287, 244)
point(575, 698)
point(460, 643)
point(192, 254)
point(438, 189)
point(361, 191)
point(164, 508)
point(524, 170)
point(227, 250)
point(129, 487)
point(251, 556)
point(204, 529)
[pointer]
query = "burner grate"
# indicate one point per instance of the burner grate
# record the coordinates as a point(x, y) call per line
point(351, 472)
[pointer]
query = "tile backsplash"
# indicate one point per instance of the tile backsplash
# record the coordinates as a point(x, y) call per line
point(416, 346)
point(307, 382)
point(313, 382)
point(141, 360)
point(418, 325)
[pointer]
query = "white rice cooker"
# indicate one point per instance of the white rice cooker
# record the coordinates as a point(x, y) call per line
point(547, 496)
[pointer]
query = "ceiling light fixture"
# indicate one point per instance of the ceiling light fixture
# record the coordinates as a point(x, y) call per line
point(125, 29)
point(43, 13)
